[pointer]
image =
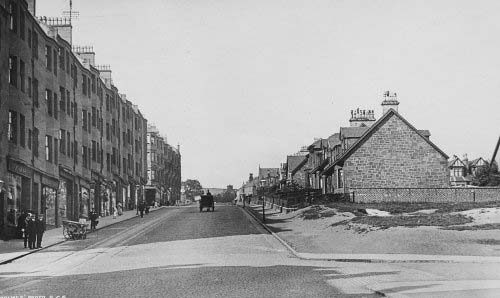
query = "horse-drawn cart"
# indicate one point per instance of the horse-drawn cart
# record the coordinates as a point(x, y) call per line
point(207, 202)
point(74, 229)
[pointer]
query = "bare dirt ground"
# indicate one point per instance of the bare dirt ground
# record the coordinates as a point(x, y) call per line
point(442, 230)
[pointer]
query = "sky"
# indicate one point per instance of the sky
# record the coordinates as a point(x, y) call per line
point(238, 84)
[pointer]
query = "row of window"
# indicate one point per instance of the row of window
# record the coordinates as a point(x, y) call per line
point(64, 145)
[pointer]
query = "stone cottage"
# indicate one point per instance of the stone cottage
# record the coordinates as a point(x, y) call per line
point(387, 153)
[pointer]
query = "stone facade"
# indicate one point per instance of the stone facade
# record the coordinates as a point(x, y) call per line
point(163, 169)
point(395, 155)
point(69, 141)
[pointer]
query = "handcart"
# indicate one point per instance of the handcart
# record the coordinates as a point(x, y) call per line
point(74, 229)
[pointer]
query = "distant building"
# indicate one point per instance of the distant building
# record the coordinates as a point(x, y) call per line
point(163, 169)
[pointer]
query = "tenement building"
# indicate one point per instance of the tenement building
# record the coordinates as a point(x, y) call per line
point(163, 169)
point(69, 141)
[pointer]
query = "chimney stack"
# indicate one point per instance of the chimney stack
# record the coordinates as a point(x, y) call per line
point(86, 53)
point(362, 118)
point(390, 102)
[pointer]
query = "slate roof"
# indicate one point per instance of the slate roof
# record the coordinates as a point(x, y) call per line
point(334, 140)
point(273, 172)
point(317, 144)
point(299, 165)
point(353, 132)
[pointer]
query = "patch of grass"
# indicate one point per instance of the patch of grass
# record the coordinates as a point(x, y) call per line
point(399, 208)
point(385, 222)
point(493, 226)
point(316, 212)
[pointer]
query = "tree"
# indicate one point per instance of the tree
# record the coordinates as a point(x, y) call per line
point(487, 176)
point(192, 188)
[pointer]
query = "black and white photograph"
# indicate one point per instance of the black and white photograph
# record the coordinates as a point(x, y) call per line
point(249, 148)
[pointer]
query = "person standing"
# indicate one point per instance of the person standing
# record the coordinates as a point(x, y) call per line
point(93, 219)
point(120, 208)
point(31, 231)
point(21, 222)
point(141, 208)
point(39, 230)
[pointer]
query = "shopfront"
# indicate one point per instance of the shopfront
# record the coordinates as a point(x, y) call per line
point(53, 202)
point(84, 201)
point(16, 195)
point(64, 195)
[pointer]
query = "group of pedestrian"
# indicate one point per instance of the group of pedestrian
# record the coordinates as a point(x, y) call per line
point(32, 227)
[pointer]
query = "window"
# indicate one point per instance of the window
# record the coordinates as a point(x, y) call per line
point(75, 151)
point(61, 58)
point(30, 87)
point(94, 117)
point(48, 101)
point(68, 103)
point(12, 127)
point(88, 121)
point(56, 154)
point(48, 148)
point(22, 24)
point(107, 103)
point(340, 178)
point(93, 84)
point(22, 72)
point(67, 62)
point(108, 162)
point(108, 135)
point(30, 138)
point(55, 61)
point(62, 102)
point(84, 117)
point(457, 172)
point(13, 70)
point(35, 141)
point(35, 92)
point(84, 84)
point(88, 86)
point(68, 144)
point(30, 44)
point(22, 130)
point(75, 113)
point(84, 156)
point(12, 17)
point(94, 150)
point(56, 103)
point(35, 45)
point(48, 57)
point(62, 144)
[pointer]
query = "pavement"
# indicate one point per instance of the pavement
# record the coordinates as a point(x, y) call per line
point(13, 249)
point(431, 285)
